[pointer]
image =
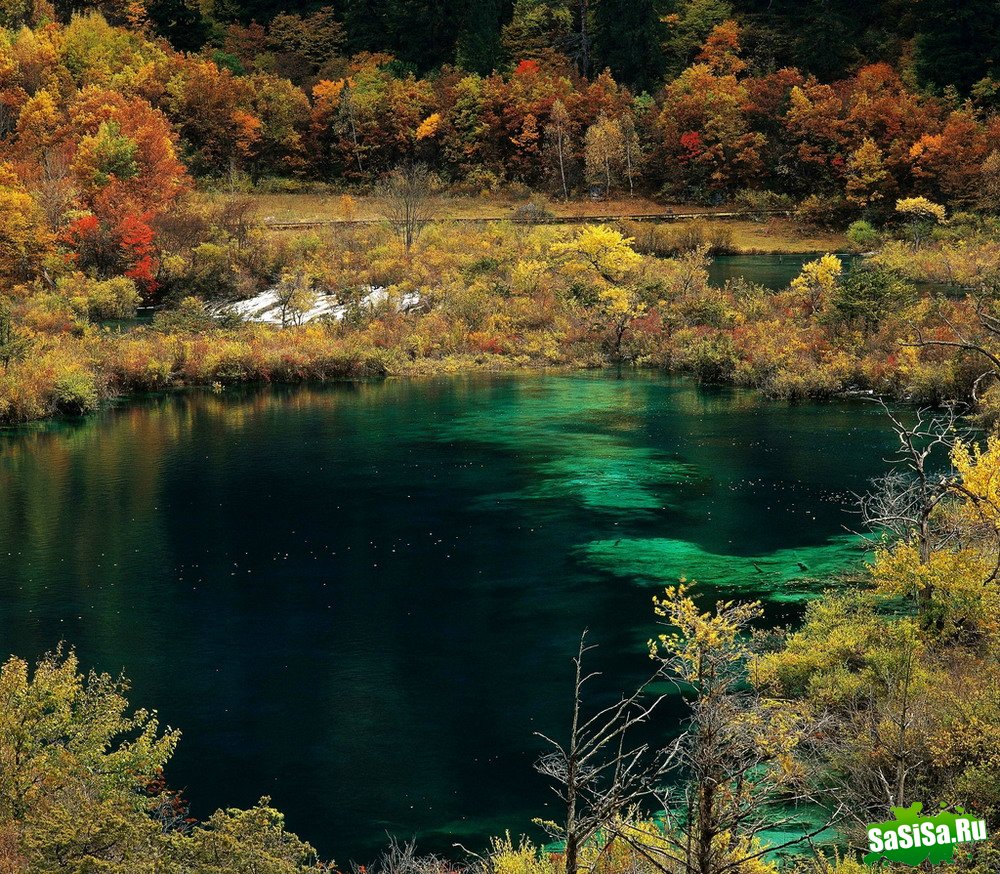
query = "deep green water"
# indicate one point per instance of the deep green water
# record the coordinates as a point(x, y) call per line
point(774, 271)
point(362, 599)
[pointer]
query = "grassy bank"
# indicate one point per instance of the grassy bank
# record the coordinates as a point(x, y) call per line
point(497, 297)
point(777, 234)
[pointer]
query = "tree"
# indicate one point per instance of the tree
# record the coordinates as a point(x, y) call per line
point(597, 773)
point(737, 752)
point(557, 132)
point(296, 295)
point(704, 126)
point(181, 22)
point(953, 46)
point(408, 199)
point(864, 678)
point(581, 42)
point(367, 25)
point(14, 13)
point(424, 33)
point(538, 30)
point(603, 258)
point(303, 45)
point(601, 251)
point(13, 343)
point(872, 293)
point(478, 45)
point(347, 113)
point(687, 27)
point(904, 501)
point(989, 191)
point(604, 152)
point(818, 281)
point(24, 233)
point(105, 156)
point(921, 214)
point(628, 38)
point(946, 554)
point(82, 787)
point(76, 764)
point(866, 175)
point(631, 150)
point(234, 840)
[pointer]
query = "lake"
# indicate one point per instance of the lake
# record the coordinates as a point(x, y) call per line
point(774, 271)
point(361, 599)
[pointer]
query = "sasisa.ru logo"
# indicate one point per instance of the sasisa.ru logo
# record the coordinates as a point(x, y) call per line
point(913, 838)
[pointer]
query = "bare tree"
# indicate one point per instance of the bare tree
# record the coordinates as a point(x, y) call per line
point(903, 501)
point(408, 199)
point(297, 294)
point(981, 340)
point(731, 763)
point(346, 110)
point(402, 858)
point(55, 187)
point(557, 132)
point(898, 715)
point(596, 773)
point(914, 499)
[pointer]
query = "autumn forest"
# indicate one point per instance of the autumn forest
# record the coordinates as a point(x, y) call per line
point(200, 198)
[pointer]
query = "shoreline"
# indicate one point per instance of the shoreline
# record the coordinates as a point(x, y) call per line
point(418, 373)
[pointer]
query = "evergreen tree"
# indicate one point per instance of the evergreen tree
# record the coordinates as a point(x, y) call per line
point(538, 29)
point(367, 25)
point(957, 43)
point(628, 38)
point(478, 46)
point(427, 31)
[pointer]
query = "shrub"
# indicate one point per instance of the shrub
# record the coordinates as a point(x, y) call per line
point(666, 240)
point(533, 212)
point(75, 393)
point(710, 357)
point(506, 857)
point(190, 316)
point(14, 343)
point(760, 203)
point(870, 293)
point(822, 210)
point(96, 299)
point(863, 236)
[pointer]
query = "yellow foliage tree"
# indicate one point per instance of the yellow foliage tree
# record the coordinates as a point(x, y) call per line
point(606, 257)
point(956, 581)
point(919, 212)
point(817, 281)
point(866, 175)
point(601, 249)
point(24, 233)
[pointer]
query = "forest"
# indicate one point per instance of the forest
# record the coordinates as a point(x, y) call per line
point(142, 143)
point(131, 173)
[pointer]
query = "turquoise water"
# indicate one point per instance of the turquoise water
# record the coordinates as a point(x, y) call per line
point(774, 271)
point(361, 599)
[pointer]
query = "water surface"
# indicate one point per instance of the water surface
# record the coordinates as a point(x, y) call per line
point(361, 599)
point(774, 271)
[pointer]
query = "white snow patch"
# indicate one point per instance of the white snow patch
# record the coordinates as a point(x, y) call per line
point(266, 308)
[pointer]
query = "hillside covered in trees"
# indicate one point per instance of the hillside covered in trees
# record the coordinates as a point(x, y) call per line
point(938, 45)
point(313, 95)
point(138, 141)
point(112, 142)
